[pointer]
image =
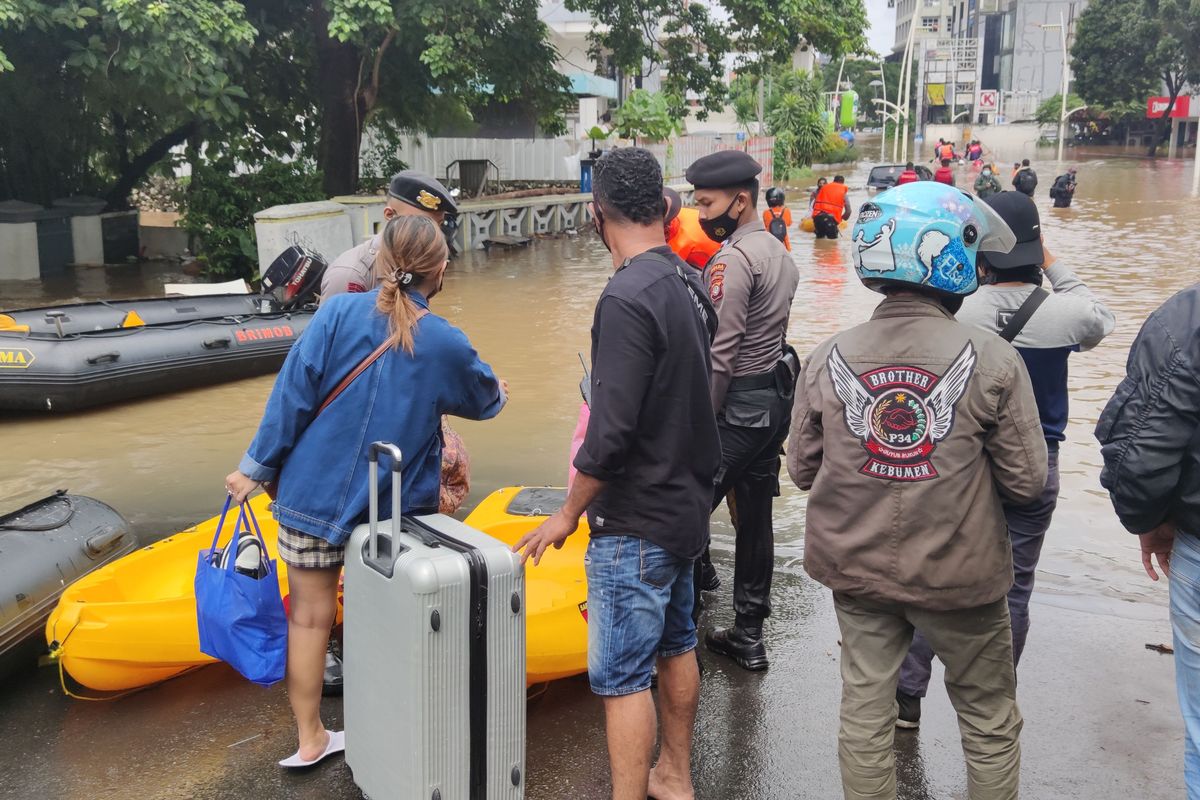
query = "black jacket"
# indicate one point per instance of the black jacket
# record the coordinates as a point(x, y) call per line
point(1150, 429)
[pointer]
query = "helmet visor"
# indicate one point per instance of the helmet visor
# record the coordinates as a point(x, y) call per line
point(999, 238)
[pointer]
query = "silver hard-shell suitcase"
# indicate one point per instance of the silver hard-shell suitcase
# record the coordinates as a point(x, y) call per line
point(435, 657)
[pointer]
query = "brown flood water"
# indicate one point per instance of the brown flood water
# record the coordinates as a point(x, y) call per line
point(161, 461)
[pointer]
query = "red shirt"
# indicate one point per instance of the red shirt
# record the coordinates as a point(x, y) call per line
point(908, 176)
point(944, 175)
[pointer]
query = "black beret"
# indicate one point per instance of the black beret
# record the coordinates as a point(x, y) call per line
point(421, 191)
point(723, 168)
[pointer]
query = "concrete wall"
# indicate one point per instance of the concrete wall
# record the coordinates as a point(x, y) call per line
point(19, 251)
point(323, 227)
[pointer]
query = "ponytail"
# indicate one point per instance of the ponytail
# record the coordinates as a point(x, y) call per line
point(413, 251)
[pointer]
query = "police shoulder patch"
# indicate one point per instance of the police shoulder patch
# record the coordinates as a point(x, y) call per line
point(716, 282)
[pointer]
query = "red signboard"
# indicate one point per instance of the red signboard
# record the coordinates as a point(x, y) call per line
point(1155, 107)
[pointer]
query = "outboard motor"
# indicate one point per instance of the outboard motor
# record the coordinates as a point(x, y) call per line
point(294, 277)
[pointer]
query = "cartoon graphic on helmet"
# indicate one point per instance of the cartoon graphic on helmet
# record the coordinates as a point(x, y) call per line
point(925, 234)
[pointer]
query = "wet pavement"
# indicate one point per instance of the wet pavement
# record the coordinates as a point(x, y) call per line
point(1101, 718)
point(1100, 723)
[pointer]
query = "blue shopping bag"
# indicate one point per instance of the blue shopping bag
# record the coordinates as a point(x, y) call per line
point(241, 617)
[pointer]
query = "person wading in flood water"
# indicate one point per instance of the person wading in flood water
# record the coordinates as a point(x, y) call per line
point(1150, 438)
point(645, 478)
point(1046, 329)
point(751, 282)
point(907, 430)
point(420, 367)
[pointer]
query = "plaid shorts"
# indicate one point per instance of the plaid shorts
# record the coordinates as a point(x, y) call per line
point(304, 550)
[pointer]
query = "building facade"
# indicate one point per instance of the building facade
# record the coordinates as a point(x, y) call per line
point(1020, 42)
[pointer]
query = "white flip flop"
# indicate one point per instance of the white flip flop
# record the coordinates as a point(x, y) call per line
point(337, 744)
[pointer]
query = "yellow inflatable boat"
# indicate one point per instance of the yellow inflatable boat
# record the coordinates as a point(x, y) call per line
point(132, 623)
point(806, 225)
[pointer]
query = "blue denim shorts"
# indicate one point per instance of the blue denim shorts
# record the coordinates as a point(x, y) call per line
point(639, 609)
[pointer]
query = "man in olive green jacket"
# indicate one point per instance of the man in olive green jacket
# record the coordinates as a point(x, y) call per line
point(908, 430)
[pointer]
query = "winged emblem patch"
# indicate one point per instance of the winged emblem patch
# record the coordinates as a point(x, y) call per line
point(901, 413)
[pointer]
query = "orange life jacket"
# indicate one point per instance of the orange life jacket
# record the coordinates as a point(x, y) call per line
point(786, 215)
point(831, 200)
point(689, 241)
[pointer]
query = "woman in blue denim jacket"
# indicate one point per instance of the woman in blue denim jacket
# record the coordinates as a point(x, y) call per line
point(319, 462)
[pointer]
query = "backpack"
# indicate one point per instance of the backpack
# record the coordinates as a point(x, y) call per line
point(777, 228)
point(1026, 181)
point(1061, 184)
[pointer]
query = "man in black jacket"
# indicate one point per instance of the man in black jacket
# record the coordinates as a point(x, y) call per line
point(1150, 437)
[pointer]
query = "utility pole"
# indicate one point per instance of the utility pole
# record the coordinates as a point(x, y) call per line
point(906, 77)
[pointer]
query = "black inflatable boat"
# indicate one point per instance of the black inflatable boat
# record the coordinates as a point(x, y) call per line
point(44, 547)
point(70, 357)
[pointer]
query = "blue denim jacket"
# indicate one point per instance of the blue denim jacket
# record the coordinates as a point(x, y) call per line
point(321, 461)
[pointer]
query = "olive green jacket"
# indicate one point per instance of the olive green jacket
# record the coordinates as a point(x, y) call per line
point(908, 430)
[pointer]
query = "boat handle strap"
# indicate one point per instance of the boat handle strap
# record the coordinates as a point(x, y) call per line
point(104, 358)
point(213, 344)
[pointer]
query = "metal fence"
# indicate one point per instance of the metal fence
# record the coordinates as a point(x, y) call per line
point(558, 159)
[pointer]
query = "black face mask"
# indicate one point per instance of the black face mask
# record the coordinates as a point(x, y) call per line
point(599, 220)
point(721, 227)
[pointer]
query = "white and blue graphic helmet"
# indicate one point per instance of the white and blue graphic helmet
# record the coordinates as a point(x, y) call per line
point(926, 234)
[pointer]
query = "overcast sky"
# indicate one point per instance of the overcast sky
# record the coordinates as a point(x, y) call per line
point(883, 25)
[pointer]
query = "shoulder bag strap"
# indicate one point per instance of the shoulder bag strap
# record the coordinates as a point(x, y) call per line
point(1019, 319)
point(709, 321)
point(360, 369)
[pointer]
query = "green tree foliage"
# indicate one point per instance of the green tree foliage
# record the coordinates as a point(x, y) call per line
point(690, 42)
point(109, 87)
point(105, 88)
point(794, 114)
point(221, 206)
point(401, 61)
point(646, 115)
point(1128, 50)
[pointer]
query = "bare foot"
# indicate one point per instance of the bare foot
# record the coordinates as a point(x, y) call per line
point(667, 785)
point(313, 748)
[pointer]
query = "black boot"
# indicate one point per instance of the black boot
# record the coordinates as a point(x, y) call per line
point(741, 643)
point(332, 680)
point(710, 581)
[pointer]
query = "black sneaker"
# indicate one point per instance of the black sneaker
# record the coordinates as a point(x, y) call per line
point(909, 711)
point(332, 680)
point(710, 581)
point(748, 651)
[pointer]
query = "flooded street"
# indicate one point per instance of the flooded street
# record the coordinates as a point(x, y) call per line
point(1100, 714)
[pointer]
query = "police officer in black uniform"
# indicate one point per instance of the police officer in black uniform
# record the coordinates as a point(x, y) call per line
point(751, 282)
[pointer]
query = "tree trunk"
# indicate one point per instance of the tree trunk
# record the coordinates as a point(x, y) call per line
point(1164, 127)
point(118, 196)
point(338, 83)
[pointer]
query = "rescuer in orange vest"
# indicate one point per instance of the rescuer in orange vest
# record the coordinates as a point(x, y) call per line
point(684, 234)
point(832, 204)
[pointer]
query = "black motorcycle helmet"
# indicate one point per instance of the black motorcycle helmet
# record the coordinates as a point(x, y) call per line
point(775, 197)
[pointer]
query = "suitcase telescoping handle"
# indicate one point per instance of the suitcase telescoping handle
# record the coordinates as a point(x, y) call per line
point(373, 477)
